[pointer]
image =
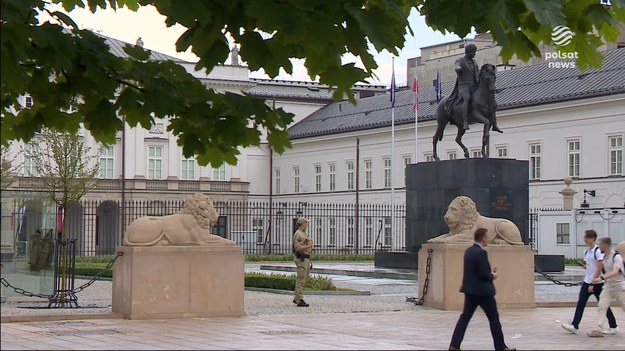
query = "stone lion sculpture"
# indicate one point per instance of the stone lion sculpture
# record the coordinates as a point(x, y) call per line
point(463, 219)
point(190, 227)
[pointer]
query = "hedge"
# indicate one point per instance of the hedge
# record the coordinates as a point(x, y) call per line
point(252, 279)
point(90, 271)
point(270, 281)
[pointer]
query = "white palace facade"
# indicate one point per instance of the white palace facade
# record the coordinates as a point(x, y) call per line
point(566, 123)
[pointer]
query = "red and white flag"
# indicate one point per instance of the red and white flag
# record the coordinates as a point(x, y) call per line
point(415, 90)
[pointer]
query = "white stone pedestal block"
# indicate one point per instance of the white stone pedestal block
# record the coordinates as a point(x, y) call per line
point(160, 282)
point(514, 284)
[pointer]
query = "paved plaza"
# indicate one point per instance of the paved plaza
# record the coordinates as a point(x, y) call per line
point(383, 320)
point(418, 329)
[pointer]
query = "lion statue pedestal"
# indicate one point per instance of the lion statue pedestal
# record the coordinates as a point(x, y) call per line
point(506, 251)
point(173, 267)
point(515, 283)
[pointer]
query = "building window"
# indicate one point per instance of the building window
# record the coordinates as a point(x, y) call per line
point(452, 155)
point(350, 231)
point(387, 172)
point(562, 233)
point(219, 173)
point(28, 101)
point(332, 236)
point(502, 151)
point(368, 174)
point(317, 177)
point(388, 234)
point(155, 162)
point(535, 161)
point(573, 148)
point(350, 175)
point(107, 162)
point(318, 231)
point(429, 157)
point(257, 227)
point(332, 169)
point(296, 179)
point(30, 170)
point(276, 172)
point(616, 154)
point(368, 231)
point(476, 153)
point(407, 160)
point(187, 168)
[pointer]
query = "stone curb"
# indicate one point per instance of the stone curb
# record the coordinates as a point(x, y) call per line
point(560, 304)
point(322, 292)
point(353, 273)
point(60, 317)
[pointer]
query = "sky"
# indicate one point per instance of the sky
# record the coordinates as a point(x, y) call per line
point(148, 24)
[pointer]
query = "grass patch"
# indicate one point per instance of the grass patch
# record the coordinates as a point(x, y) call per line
point(287, 282)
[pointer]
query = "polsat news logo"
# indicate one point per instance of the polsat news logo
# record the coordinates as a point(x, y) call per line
point(561, 36)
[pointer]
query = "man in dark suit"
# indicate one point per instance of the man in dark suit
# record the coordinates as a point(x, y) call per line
point(479, 290)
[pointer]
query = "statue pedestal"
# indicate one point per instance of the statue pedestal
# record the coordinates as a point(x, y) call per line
point(160, 282)
point(499, 187)
point(515, 283)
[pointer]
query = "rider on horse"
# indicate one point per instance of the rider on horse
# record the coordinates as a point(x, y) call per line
point(466, 83)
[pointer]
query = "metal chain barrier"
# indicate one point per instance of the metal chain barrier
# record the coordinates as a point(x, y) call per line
point(74, 291)
point(426, 285)
point(97, 276)
point(554, 280)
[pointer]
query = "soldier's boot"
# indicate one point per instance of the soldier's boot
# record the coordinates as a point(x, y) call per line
point(496, 128)
point(302, 303)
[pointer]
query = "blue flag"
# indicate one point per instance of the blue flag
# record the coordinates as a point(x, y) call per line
point(439, 87)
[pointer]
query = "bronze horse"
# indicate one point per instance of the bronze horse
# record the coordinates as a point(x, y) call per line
point(482, 110)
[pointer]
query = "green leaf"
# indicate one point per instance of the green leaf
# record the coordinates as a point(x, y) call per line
point(137, 52)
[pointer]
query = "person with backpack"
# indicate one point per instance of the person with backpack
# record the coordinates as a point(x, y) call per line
point(614, 284)
point(594, 265)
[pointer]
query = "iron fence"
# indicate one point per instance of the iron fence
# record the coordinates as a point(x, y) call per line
point(260, 228)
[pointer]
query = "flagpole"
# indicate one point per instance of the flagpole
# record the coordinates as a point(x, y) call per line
point(393, 152)
point(416, 119)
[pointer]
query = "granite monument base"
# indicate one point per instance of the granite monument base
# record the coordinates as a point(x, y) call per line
point(166, 282)
point(499, 187)
point(397, 260)
point(515, 283)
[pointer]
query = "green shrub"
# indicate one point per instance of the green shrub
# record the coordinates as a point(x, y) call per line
point(286, 281)
point(270, 281)
point(90, 271)
point(316, 258)
point(318, 282)
point(279, 281)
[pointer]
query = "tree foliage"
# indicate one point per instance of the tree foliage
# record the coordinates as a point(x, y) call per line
point(75, 80)
point(66, 165)
point(8, 168)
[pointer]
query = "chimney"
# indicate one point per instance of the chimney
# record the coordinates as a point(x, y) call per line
point(567, 194)
point(139, 42)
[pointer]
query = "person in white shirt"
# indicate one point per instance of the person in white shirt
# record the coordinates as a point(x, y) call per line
point(594, 264)
point(614, 284)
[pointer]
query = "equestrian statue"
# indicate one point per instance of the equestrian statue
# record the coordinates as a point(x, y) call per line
point(472, 101)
